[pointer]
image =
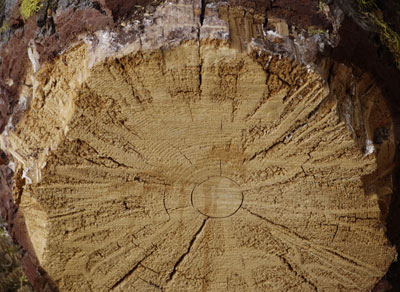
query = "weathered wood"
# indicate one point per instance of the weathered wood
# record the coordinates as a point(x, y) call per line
point(205, 153)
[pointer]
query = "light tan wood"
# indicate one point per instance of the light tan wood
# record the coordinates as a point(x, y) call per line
point(201, 167)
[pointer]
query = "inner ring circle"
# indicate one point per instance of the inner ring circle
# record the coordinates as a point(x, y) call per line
point(217, 197)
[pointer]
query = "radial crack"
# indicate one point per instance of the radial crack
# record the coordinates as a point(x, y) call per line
point(131, 271)
point(203, 10)
point(152, 284)
point(276, 224)
point(364, 267)
point(182, 257)
point(264, 151)
point(165, 206)
point(200, 68)
point(184, 156)
point(290, 267)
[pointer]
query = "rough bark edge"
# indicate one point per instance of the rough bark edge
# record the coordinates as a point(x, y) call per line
point(370, 17)
point(30, 31)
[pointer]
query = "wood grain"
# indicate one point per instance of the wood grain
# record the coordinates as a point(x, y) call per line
point(201, 166)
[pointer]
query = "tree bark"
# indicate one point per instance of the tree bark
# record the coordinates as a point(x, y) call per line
point(199, 148)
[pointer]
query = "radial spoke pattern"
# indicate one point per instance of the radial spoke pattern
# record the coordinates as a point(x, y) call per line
point(218, 173)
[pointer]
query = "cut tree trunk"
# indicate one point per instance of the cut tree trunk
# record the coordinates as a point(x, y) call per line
point(204, 153)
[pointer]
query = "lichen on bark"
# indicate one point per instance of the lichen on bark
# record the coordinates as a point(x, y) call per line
point(370, 16)
point(29, 7)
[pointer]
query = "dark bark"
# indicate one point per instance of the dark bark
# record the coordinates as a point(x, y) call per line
point(58, 24)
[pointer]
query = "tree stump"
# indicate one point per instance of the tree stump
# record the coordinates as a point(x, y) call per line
point(198, 156)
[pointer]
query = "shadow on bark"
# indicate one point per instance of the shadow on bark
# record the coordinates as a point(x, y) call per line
point(17, 229)
point(363, 50)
